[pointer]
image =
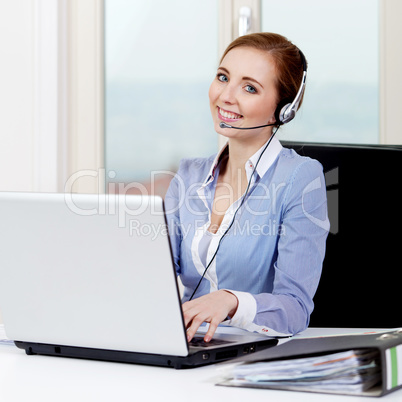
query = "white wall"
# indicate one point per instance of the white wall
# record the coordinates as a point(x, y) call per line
point(51, 93)
point(16, 95)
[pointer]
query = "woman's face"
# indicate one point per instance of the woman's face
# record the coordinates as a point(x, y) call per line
point(243, 93)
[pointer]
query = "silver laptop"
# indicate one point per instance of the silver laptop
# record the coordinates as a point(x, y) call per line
point(92, 276)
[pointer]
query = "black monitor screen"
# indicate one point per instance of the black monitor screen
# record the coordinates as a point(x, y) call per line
point(360, 285)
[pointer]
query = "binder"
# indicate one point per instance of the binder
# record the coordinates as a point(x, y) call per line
point(388, 346)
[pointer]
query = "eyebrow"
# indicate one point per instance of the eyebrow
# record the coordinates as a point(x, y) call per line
point(244, 78)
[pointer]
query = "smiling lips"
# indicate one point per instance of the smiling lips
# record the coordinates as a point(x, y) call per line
point(225, 115)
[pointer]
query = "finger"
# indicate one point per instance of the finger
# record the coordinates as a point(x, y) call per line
point(211, 330)
point(189, 314)
point(193, 328)
point(187, 319)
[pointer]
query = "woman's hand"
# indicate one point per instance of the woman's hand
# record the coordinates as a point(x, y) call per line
point(214, 308)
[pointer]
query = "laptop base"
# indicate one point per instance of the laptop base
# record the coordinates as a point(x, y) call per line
point(198, 358)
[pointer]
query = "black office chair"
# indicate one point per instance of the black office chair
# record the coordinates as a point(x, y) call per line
point(361, 283)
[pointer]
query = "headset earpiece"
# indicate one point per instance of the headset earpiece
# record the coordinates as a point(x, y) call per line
point(283, 105)
point(286, 109)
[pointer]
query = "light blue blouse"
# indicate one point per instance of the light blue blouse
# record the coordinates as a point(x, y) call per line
point(271, 258)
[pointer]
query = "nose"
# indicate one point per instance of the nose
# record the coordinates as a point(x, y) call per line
point(228, 94)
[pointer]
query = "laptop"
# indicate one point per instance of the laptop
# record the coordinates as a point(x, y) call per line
point(92, 276)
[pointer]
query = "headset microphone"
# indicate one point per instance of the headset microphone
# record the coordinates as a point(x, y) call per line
point(224, 125)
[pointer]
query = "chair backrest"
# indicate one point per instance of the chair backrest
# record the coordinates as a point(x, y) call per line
point(361, 283)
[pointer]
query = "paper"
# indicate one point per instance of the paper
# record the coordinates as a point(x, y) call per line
point(4, 341)
point(312, 332)
point(352, 372)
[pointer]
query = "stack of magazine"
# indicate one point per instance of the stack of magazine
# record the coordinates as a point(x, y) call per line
point(346, 372)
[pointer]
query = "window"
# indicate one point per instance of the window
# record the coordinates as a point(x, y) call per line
point(160, 58)
point(341, 42)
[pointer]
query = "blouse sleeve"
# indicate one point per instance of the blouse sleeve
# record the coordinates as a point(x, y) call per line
point(301, 251)
point(172, 210)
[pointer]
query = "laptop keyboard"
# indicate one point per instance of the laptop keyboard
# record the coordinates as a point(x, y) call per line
point(198, 341)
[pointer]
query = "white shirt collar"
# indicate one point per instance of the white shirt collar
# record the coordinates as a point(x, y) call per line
point(211, 174)
point(267, 159)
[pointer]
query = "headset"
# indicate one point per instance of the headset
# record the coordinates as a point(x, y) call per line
point(284, 113)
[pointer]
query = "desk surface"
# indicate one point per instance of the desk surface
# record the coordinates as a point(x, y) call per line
point(42, 378)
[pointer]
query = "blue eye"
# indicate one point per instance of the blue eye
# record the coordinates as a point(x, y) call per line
point(251, 89)
point(222, 77)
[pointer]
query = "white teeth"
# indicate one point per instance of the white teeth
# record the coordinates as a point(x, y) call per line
point(229, 115)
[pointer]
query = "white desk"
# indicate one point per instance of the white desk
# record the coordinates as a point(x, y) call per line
point(42, 378)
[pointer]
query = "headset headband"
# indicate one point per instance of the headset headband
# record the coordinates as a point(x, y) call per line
point(286, 111)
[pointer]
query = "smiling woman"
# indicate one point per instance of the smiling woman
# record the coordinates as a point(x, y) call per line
point(286, 59)
point(244, 90)
point(262, 281)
